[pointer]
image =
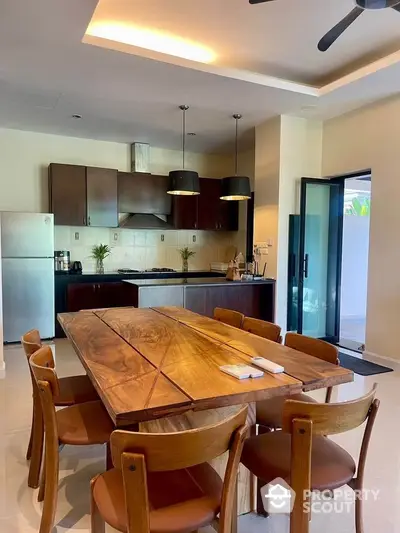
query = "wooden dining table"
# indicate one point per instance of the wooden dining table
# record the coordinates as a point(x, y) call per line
point(158, 369)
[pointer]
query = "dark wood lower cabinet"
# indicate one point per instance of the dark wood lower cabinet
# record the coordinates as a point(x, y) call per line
point(97, 295)
point(257, 301)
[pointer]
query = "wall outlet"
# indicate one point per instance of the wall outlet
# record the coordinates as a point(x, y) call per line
point(116, 237)
point(194, 238)
point(77, 235)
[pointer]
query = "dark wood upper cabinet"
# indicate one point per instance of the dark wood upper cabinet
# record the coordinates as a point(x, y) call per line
point(67, 188)
point(209, 204)
point(102, 204)
point(205, 211)
point(185, 212)
point(229, 215)
point(83, 196)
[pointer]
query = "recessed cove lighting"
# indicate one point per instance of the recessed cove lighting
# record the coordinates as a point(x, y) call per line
point(77, 116)
point(156, 40)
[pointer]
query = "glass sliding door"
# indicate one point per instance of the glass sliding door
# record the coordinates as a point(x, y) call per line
point(320, 251)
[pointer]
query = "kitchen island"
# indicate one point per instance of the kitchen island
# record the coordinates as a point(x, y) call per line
point(202, 295)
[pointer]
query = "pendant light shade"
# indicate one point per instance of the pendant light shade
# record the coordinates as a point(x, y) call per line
point(183, 182)
point(236, 187)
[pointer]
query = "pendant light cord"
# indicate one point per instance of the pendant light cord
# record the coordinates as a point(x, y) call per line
point(183, 137)
point(236, 147)
point(183, 108)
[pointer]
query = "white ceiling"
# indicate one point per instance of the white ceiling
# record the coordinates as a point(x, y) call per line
point(276, 38)
point(47, 73)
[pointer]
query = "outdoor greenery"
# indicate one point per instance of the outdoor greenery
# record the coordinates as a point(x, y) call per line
point(360, 207)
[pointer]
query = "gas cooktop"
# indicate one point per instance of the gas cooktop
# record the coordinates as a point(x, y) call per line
point(161, 269)
point(130, 271)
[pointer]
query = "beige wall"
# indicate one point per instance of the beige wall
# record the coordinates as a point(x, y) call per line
point(365, 139)
point(266, 188)
point(287, 148)
point(25, 156)
point(300, 156)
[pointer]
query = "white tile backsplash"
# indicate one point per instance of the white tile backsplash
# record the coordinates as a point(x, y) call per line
point(140, 249)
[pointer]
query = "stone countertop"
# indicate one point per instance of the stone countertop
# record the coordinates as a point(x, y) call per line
point(195, 282)
point(73, 277)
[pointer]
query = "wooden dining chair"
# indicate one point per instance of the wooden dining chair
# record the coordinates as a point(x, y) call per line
point(81, 424)
point(72, 390)
point(262, 328)
point(269, 412)
point(227, 316)
point(162, 482)
point(304, 456)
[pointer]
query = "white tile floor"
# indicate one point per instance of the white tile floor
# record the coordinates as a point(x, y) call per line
point(20, 512)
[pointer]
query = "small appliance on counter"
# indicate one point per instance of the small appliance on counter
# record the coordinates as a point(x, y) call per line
point(62, 260)
point(76, 267)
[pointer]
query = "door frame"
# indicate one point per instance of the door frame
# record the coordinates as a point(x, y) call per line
point(364, 175)
point(334, 256)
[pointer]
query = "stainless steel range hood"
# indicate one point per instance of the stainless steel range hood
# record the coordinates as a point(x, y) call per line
point(142, 221)
point(143, 202)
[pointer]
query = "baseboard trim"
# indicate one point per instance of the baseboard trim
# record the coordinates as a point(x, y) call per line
point(381, 360)
point(2, 370)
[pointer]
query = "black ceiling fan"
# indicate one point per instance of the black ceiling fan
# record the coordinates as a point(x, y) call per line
point(361, 5)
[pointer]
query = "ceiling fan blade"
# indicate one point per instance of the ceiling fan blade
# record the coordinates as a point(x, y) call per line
point(328, 39)
point(253, 2)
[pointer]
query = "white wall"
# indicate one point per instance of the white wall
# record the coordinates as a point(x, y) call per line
point(353, 301)
point(365, 139)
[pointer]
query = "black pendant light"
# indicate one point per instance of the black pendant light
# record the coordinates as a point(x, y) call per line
point(236, 187)
point(183, 182)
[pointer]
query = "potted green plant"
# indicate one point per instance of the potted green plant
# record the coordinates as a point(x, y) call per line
point(186, 253)
point(99, 253)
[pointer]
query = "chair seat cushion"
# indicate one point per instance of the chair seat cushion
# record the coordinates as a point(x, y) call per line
point(268, 457)
point(75, 389)
point(180, 501)
point(269, 412)
point(84, 423)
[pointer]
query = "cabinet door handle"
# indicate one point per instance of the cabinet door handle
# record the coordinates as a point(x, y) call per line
point(88, 221)
point(84, 221)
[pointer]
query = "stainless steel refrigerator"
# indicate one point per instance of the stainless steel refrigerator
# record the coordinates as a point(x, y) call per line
point(27, 253)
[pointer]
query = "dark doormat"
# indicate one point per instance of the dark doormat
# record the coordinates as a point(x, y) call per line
point(361, 366)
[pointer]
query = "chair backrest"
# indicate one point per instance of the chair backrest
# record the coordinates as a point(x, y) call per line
point(195, 446)
point(31, 342)
point(315, 347)
point(42, 366)
point(227, 316)
point(268, 330)
point(304, 420)
point(138, 453)
point(329, 419)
